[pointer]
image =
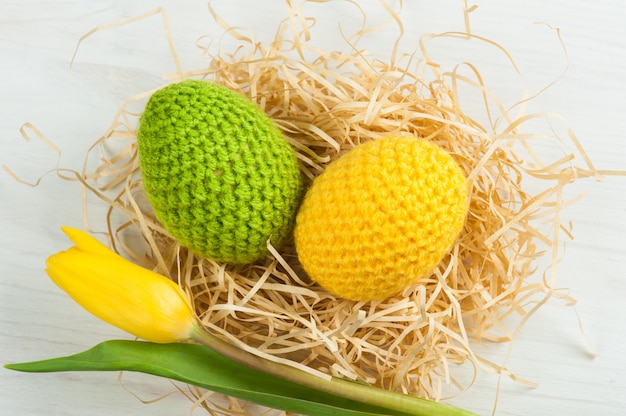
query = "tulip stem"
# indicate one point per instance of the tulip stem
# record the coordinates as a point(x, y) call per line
point(403, 403)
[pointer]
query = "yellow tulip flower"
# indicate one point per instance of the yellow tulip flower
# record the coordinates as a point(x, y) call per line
point(156, 309)
point(128, 296)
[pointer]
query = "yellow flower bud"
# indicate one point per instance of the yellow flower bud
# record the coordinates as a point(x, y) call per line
point(130, 297)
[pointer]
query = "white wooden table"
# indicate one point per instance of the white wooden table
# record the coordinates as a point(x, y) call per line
point(73, 107)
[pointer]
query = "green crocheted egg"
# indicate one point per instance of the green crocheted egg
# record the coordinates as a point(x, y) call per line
point(218, 173)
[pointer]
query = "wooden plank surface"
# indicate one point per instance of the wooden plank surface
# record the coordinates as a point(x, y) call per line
point(74, 106)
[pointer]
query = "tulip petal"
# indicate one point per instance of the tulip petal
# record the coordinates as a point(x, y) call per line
point(85, 242)
point(128, 296)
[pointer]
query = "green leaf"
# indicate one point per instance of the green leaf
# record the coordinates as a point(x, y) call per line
point(202, 367)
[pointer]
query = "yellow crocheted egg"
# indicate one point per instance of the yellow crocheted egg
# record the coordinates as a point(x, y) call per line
point(381, 217)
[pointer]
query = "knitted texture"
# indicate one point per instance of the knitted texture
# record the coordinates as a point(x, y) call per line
point(381, 217)
point(217, 171)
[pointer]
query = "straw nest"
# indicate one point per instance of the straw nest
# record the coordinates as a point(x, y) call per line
point(326, 105)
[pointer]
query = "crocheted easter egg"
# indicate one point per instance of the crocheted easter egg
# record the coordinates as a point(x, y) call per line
point(218, 173)
point(381, 217)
